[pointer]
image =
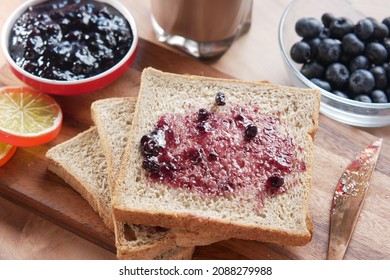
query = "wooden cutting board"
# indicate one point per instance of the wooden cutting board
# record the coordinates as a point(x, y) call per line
point(26, 181)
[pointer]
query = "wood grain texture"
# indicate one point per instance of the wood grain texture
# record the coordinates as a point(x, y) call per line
point(29, 236)
point(26, 181)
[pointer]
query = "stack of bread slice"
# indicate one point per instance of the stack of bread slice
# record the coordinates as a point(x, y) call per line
point(86, 164)
point(154, 220)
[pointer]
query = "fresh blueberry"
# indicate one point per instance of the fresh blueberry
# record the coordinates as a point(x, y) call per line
point(308, 27)
point(340, 27)
point(361, 81)
point(327, 19)
point(378, 96)
point(359, 62)
point(386, 44)
point(380, 77)
point(387, 69)
point(364, 29)
point(376, 53)
point(386, 21)
point(363, 98)
point(300, 52)
point(313, 43)
point(324, 33)
point(322, 84)
point(352, 45)
point(380, 30)
point(313, 70)
point(345, 58)
point(387, 91)
point(337, 75)
point(329, 50)
point(340, 94)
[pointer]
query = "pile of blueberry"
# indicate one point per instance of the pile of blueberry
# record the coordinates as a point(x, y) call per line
point(69, 39)
point(351, 60)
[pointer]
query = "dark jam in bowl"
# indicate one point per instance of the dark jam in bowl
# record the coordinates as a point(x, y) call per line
point(211, 153)
point(69, 39)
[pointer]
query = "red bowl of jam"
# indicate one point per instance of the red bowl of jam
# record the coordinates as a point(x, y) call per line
point(69, 47)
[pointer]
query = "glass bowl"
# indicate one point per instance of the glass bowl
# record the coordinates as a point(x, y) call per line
point(338, 108)
point(74, 87)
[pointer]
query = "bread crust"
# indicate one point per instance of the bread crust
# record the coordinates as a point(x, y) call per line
point(216, 229)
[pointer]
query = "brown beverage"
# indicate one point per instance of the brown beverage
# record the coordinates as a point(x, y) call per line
point(208, 27)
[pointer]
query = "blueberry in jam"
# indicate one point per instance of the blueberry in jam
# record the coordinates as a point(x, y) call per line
point(220, 99)
point(203, 114)
point(69, 39)
point(203, 127)
point(212, 156)
point(194, 155)
point(275, 181)
point(151, 164)
point(274, 184)
point(250, 131)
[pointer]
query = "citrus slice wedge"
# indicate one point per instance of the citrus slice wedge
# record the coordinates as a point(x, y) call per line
point(28, 117)
point(6, 152)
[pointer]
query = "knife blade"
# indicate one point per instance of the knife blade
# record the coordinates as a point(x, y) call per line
point(348, 199)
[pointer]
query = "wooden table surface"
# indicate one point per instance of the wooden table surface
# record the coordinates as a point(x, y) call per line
point(255, 56)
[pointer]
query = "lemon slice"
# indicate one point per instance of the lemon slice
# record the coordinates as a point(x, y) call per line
point(28, 117)
point(6, 152)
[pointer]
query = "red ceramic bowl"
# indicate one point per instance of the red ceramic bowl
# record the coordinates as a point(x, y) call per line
point(73, 87)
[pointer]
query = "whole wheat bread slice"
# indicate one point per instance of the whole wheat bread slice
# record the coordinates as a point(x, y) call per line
point(282, 218)
point(112, 117)
point(81, 163)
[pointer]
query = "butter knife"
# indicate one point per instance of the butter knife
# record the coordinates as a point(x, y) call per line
point(348, 199)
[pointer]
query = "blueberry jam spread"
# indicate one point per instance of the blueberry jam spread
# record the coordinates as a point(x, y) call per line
point(218, 154)
point(349, 59)
point(69, 39)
